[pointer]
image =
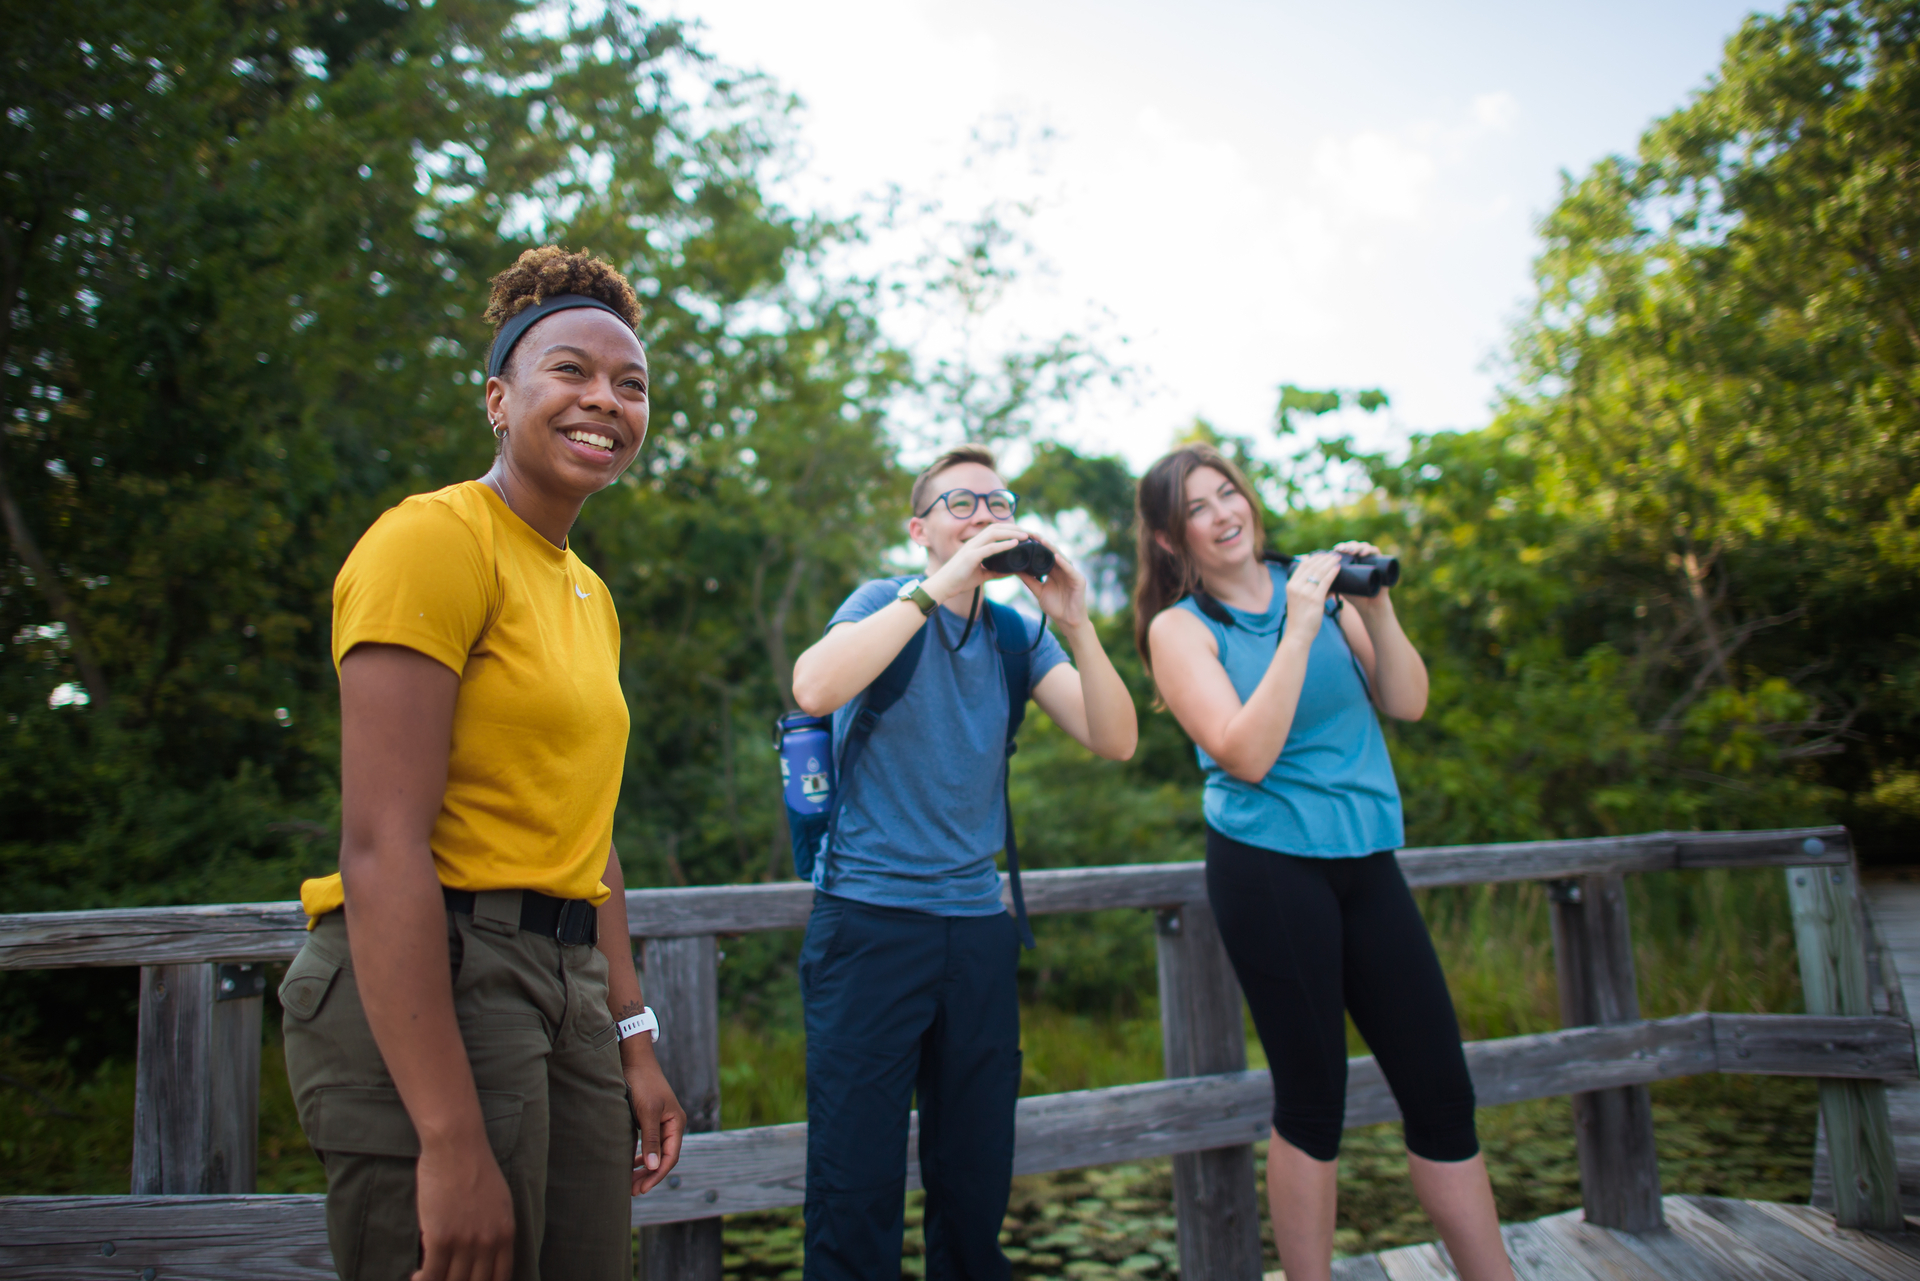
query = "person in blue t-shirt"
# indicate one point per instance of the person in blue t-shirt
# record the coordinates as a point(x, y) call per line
point(1278, 682)
point(907, 971)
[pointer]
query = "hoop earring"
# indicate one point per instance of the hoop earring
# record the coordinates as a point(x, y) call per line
point(499, 431)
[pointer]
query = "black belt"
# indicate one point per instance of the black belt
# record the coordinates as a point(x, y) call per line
point(565, 920)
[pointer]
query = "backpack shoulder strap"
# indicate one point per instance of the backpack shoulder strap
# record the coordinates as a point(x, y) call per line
point(1016, 661)
point(886, 689)
point(1016, 664)
point(882, 694)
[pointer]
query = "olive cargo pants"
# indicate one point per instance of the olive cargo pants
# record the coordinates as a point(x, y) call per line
point(546, 1059)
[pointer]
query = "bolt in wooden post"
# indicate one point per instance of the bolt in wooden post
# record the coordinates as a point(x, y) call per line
point(1215, 1197)
point(196, 1094)
point(681, 981)
point(1593, 954)
point(1830, 931)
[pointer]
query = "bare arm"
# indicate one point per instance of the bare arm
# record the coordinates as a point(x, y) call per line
point(1088, 699)
point(851, 655)
point(1245, 738)
point(1394, 667)
point(663, 1122)
point(396, 730)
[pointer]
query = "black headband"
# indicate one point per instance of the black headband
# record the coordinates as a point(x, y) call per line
point(511, 332)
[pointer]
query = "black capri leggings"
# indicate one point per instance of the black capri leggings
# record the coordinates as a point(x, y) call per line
point(1313, 938)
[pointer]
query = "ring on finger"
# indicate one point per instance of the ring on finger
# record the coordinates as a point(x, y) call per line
point(1314, 581)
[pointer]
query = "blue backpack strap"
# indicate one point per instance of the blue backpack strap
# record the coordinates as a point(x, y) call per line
point(1016, 664)
point(885, 691)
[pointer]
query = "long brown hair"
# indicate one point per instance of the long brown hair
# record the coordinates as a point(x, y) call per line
point(1160, 507)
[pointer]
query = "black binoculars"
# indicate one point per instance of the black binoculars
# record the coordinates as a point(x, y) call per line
point(1362, 575)
point(1025, 557)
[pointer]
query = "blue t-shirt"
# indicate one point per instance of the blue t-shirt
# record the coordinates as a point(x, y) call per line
point(924, 812)
point(1331, 793)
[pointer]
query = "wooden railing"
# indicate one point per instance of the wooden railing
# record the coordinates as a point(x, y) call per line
point(197, 1083)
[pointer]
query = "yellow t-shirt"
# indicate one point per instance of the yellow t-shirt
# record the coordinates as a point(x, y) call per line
point(539, 725)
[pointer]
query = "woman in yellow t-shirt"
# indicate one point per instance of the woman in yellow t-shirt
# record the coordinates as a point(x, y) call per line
point(464, 1032)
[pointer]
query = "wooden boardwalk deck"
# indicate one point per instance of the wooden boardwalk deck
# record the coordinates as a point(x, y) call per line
point(1716, 1239)
point(1706, 1239)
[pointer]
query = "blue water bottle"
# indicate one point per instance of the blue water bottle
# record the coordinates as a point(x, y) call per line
point(805, 744)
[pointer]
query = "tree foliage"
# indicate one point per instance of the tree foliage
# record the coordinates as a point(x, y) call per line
point(242, 254)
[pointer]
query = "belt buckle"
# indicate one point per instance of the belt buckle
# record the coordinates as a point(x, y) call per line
point(578, 923)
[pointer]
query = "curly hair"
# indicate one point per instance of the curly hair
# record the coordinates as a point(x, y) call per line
point(546, 272)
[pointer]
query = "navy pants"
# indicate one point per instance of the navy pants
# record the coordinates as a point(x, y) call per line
point(900, 1003)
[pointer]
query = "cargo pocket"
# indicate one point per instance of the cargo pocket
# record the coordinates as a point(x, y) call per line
point(370, 1120)
point(308, 980)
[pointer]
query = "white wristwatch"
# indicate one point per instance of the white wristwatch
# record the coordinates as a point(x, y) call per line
point(641, 1022)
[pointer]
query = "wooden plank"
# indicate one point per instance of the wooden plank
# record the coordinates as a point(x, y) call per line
point(283, 1238)
point(1359, 1267)
point(260, 1238)
point(681, 981)
point(235, 1088)
point(1831, 937)
point(1893, 918)
point(1203, 1032)
point(1657, 1254)
point(765, 1168)
point(1124, 1123)
point(1537, 1255)
point(1514, 1069)
point(274, 931)
point(1416, 1263)
point(1620, 855)
point(196, 1095)
point(733, 1172)
point(1906, 1242)
point(1864, 1251)
point(151, 935)
point(1870, 1048)
point(1613, 1128)
point(1758, 1248)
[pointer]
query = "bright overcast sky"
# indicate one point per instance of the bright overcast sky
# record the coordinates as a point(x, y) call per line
point(1325, 194)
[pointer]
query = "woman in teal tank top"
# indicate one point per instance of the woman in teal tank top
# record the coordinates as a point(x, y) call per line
point(1280, 684)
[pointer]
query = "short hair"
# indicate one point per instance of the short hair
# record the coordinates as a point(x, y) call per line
point(548, 272)
point(952, 458)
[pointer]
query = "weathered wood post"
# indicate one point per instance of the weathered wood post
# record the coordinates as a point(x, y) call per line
point(681, 981)
point(1215, 1197)
point(1829, 929)
point(1613, 1129)
point(196, 1093)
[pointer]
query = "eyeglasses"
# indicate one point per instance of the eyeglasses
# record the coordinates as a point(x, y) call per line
point(962, 503)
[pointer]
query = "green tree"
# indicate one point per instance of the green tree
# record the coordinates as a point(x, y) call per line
point(245, 252)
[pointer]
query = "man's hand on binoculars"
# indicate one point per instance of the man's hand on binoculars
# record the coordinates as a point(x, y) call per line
point(962, 573)
point(1063, 597)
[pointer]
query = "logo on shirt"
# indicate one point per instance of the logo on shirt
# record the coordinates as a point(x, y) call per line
point(577, 592)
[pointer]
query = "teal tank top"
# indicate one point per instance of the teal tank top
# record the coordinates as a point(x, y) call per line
point(1332, 793)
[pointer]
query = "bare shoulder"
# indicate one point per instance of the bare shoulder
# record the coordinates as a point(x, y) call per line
point(1177, 630)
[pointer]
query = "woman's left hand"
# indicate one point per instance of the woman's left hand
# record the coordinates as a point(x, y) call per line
point(1063, 597)
point(1354, 547)
point(663, 1122)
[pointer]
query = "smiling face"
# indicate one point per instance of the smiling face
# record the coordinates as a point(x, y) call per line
point(574, 402)
point(940, 531)
point(1221, 532)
